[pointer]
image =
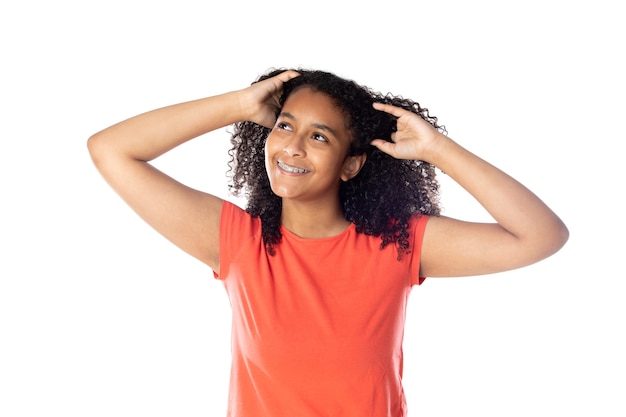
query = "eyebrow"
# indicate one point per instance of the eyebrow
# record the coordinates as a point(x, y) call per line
point(320, 126)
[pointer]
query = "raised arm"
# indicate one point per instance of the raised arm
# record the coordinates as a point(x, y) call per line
point(187, 217)
point(525, 229)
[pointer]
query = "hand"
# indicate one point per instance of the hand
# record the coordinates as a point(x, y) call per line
point(261, 99)
point(414, 138)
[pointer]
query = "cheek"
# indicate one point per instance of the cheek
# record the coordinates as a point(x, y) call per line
point(270, 141)
point(267, 148)
point(274, 144)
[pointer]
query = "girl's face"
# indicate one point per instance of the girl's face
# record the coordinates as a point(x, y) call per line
point(306, 151)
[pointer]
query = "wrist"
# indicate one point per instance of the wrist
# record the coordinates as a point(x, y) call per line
point(242, 106)
point(437, 151)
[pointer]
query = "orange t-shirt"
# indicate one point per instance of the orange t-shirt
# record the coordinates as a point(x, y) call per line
point(317, 328)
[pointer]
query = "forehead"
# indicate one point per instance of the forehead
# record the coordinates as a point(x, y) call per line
point(307, 104)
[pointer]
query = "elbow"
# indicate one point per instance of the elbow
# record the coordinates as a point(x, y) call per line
point(547, 241)
point(98, 147)
point(92, 146)
point(556, 238)
point(561, 236)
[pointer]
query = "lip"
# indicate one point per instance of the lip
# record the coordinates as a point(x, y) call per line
point(290, 169)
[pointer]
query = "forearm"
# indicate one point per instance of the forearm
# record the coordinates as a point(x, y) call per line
point(148, 135)
point(526, 230)
point(513, 206)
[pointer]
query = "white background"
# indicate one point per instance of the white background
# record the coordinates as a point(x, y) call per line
point(100, 316)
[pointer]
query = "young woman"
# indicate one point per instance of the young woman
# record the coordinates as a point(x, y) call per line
point(342, 220)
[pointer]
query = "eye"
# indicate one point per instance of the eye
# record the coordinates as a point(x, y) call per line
point(283, 126)
point(319, 138)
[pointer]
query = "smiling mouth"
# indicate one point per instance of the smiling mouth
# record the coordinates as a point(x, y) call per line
point(291, 169)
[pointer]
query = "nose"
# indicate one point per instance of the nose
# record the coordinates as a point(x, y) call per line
point(295, 146)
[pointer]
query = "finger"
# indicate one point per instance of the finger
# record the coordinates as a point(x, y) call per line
point(385, 146)
point(287, 75)
point(393, 110)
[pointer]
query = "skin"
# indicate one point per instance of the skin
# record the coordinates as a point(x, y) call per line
point(310, 135)
point(524, 231)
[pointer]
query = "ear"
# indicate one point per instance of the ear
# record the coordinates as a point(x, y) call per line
point(351, 166)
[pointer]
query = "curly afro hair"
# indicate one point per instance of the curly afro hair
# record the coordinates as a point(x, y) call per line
point(380, 200)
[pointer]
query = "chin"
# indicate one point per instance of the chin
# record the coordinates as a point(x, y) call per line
point(284, 194)
point(279, 191)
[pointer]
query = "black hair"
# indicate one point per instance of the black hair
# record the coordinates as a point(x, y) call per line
point(385, 194)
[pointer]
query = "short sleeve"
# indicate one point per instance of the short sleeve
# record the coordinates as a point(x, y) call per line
point(418, 237)
point(236, 226)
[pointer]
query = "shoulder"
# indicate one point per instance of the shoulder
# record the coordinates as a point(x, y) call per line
point(417, 230)
point(417, 222)
point(235, 219)
point(237, 229)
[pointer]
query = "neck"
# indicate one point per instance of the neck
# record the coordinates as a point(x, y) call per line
point(313, 221)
